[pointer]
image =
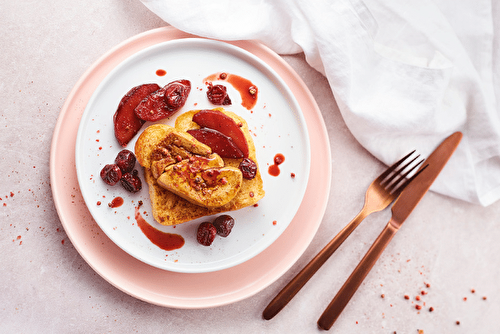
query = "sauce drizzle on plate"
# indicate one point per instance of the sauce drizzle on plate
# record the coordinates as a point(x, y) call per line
point(164, 240)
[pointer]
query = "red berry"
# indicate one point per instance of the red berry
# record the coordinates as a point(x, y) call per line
point(131, 182)
point(164, 102)
point(224, 224)
point(206, 233)
point(111, 174)
point(217, 95)
point(125, 160)
point(176, 94)
point(248, 168)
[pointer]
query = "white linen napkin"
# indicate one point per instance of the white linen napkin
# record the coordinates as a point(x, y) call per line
point(405, 74)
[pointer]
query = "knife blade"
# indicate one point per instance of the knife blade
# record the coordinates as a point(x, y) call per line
point(401, 209)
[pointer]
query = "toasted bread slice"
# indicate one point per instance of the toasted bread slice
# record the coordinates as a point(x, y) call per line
point(158, 137)
point(223, 184)
point(154, 150)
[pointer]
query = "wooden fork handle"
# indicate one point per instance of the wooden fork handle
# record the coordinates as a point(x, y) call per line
point(294, 286)
point(345, 293)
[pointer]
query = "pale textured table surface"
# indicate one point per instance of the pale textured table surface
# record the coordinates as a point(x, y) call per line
point(47, 287)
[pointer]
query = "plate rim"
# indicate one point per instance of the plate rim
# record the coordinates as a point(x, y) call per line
point(130, 286)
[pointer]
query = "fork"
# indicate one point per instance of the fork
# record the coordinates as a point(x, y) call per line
point(381, 192)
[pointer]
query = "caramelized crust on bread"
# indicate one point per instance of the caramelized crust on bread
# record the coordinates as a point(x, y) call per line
point(160, 147)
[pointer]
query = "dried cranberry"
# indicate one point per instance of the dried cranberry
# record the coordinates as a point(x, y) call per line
point(176, 94)
point(131, 182)
point(217, 95)
point(164, 102)
point(224, 224)
point(111, 174)
point(125, 160)
point(206, 233)
point(248, 168)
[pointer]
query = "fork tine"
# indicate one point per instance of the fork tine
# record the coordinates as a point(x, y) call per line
point(393, 167)
point(398, 190)
point(388, 182)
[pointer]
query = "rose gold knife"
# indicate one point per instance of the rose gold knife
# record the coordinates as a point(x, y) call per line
point(401, 209)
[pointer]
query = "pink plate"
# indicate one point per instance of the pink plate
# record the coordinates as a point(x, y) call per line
point(184, 290)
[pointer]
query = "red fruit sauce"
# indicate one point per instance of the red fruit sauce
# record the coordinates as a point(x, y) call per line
point(161, 73)
point(274, 169)
point(116, 202)
point(248, 91)
point(164, 240)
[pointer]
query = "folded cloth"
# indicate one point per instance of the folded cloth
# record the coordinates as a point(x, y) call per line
point(405, 74)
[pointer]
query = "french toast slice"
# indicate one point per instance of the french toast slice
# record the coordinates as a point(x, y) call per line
point(160, 147)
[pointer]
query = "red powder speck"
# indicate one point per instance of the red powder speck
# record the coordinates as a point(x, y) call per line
point(407, 297)
point(100, 148)
point(275, 222)
point(431, 309)
point(256, 205)
point(4, 204)
point(423, 293)
point(99, 203)
point(97, 140)
point(11, 194)
point(292, 175)
point(472, 290)
point(465, 299)
point(34, 166)
point(418, 307)
point(417, 297)
point(62, 241)
point(484, 298)
point(18, 237)
point(428, 285)
point(98, 131)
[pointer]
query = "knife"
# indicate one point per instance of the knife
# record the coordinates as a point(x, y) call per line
point(401, 209)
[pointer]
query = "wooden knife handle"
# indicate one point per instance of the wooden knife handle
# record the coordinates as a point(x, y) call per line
point(345, 293)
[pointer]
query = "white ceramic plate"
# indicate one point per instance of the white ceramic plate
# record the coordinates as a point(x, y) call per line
point(276, 122)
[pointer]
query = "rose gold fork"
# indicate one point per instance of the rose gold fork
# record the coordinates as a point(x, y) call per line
point(383, 190)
